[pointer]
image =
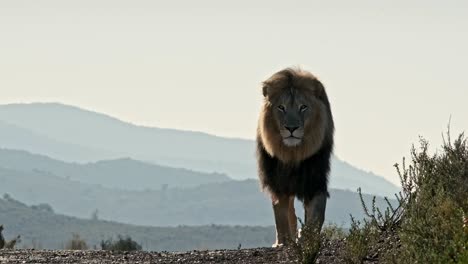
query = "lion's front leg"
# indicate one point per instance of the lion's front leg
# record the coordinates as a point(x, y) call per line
point(281, 211)
point(292, 218)
point(315, 211)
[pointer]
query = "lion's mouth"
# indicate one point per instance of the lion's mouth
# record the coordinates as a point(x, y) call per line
point(292, 141)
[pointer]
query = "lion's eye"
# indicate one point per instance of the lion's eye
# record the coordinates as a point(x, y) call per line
point(281, 108)
point(303, 108)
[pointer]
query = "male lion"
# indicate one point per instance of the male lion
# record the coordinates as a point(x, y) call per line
point(294, 145)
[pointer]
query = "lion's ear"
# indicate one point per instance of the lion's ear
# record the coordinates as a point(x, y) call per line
point(265, 89)
point(319, 90)
point(321, 94)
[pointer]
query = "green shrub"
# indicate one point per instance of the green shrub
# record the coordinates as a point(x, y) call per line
point(437, 185)
point(307, 247)
point(333, 232)
point(121, 244)
point(364, 237)
point(358, 241)
point(427, 225)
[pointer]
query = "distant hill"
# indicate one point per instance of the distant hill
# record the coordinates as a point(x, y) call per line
point(103, 137)
point(14, 137)
point(121, 173)
point(45, 229)
point(227, 203)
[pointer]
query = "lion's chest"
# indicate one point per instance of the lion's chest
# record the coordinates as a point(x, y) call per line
point(303, 180)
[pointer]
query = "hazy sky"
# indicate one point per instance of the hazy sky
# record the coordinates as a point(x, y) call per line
point(393, 69)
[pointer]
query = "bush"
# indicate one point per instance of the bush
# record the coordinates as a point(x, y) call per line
point(358, 243)
point(428, 225)
point(333, 232)
point(122, 244)
point(76, 243)
point(432, 229)
point(307, 248)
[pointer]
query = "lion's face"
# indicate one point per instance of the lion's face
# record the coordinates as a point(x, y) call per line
point(291, 111)
point(295, 117)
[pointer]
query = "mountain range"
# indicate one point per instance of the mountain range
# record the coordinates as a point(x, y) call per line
point(76, 135)
point(82, 190)
point(124, 173)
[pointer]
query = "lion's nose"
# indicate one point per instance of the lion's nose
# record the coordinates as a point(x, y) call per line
point(291, 129)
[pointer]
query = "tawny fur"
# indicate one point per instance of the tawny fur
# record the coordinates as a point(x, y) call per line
point(294, 100)
point(318, 129)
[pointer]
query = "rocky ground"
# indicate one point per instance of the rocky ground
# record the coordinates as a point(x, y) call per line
point(259, 255)
point(245, 256)
point(331, 252)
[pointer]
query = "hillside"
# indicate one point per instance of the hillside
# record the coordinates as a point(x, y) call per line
point(104, 137)
point(44, 229)
point(123, 173)
point(14, 137)
point(228, 203)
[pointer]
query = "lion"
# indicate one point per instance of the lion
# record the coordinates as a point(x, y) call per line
point(294, 146)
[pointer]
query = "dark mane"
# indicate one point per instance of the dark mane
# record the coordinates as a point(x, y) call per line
point(303, 180)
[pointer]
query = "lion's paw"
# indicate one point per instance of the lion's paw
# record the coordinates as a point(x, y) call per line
point(277, 245)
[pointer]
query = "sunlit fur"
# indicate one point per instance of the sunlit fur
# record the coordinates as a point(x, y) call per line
point(294, 146)
point(318, 124)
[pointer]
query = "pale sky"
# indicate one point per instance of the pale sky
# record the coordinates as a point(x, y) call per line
point(393, 70)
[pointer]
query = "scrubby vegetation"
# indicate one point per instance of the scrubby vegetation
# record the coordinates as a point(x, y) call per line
point(427, 226)
point(121, 244)
point(308, 245)
point(312, 244)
